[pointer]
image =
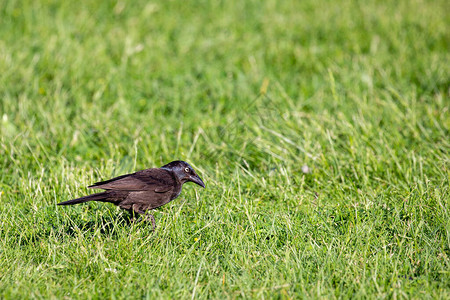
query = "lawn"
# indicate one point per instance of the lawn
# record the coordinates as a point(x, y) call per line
point(320, 128)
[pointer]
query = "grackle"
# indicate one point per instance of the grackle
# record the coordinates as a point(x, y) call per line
point(143, 190)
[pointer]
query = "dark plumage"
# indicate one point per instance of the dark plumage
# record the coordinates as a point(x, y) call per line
point(143, 190)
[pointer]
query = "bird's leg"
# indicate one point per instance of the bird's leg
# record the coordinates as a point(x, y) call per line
point(132, 216)
point(148, 217)
point(143, 216)
point(136, 211)
point(152, 218)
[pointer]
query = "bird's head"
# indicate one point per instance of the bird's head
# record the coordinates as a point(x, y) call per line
point(184, 172)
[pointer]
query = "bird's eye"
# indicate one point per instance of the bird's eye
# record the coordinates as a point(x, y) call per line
point(186, 170)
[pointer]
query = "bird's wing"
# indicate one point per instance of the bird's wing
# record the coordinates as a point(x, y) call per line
point(158, 180)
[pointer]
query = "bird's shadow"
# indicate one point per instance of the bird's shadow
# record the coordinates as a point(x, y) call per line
point(105, 225)
point(108, 226)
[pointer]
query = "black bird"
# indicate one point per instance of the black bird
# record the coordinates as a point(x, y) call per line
point(143, 190)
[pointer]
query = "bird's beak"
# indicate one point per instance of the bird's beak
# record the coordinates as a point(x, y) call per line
point(196, 179)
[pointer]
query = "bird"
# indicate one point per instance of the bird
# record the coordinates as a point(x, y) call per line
point(143, 190)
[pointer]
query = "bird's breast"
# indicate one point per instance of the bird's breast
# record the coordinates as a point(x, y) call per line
point(176, 192)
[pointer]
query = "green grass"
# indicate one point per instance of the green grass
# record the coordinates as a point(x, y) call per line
point(248, 92)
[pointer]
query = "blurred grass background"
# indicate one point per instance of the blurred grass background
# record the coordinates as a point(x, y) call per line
point(249, 93)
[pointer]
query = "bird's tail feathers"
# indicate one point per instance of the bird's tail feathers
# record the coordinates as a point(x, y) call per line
point(93, 197)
